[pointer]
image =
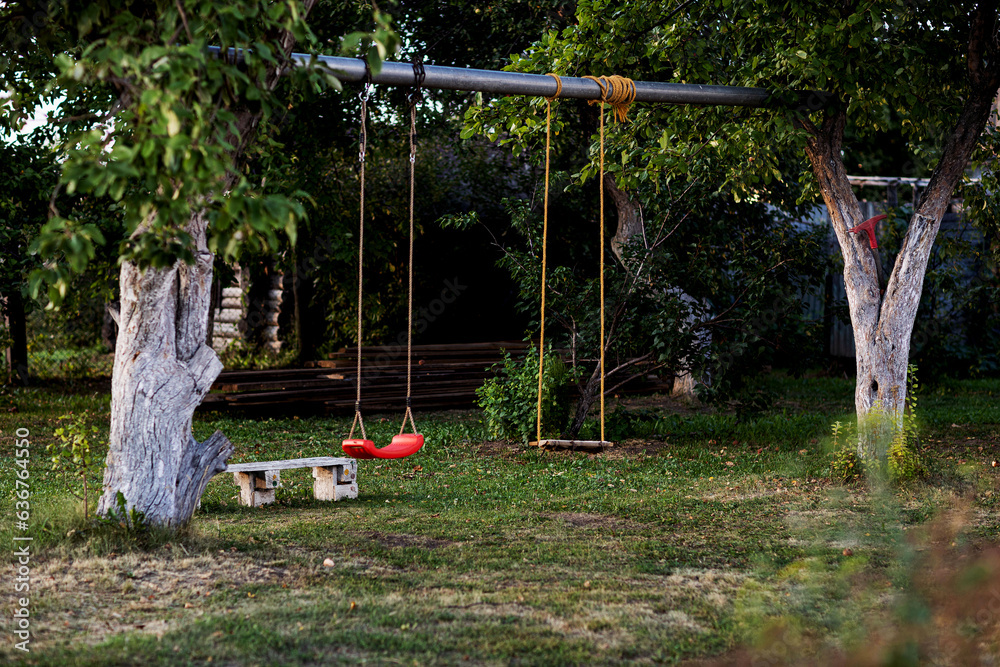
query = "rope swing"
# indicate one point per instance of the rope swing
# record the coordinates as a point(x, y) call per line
point(404, 444)
point(545, 245)
point(415, 98)
point(619, 92)
point(363, 136)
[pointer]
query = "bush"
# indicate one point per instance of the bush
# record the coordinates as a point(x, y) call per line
point(846, 465)
point(509, 401)
point(72, 452)
point(903, 463)
point(241, 356)
point(70, 363)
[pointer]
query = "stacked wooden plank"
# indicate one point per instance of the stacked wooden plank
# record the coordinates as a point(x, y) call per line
point(444, 376)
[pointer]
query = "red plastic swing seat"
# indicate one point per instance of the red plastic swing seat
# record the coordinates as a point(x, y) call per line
point(401, 446)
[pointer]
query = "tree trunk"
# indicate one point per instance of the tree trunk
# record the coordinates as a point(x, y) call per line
point(308, 318)
point(883, 324)
point(17, 326)
point(163, 369)
point(589, 395)
point(109, 325)
point(630, 222)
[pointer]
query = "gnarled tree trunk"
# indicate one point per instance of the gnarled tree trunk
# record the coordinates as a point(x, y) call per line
point(163, 369)
point(883, 323)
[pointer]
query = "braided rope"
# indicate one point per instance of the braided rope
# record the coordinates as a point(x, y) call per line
point(601, 182)
point(409, 308)
point(545, 244)
point(361, 257)
point(558, 86)
point(619, 92)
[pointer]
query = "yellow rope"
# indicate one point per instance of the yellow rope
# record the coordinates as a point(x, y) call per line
point(558, 86)
point(545, 243)
point(601, 186)
point(619, 92)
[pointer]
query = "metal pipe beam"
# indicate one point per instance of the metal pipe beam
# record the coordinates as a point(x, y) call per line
point(540, 85)
point(537, 85)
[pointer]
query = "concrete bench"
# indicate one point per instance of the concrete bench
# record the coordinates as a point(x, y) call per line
point(333, 478)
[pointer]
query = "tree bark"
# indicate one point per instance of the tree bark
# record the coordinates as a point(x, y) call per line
point(109, 325)
point(630, 222)
point(883, 323)
point(163, 369)
point(589, 395)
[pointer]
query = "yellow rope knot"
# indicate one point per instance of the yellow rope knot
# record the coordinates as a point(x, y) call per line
point(558, 86)
point(618, 91)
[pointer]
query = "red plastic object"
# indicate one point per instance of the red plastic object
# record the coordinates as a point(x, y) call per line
point(358, 448)
point(868, 227)
point(401, 446)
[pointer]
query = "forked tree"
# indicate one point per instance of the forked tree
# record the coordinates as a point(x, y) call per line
point(883, 316)
point(930, 67)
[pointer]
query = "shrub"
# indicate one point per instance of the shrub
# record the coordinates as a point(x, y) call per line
point(241, 356)
point(903, 463)
point(900, 462)
point(72, 453)
point(846, 465)
point(509, 401)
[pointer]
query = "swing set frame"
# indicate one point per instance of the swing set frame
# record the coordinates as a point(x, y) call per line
point(617, 91)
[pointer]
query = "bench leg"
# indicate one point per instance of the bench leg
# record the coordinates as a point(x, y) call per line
point(257, 488)
point(335, 482)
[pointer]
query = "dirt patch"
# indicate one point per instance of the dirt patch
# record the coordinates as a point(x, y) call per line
point(617, 606)
point(399, 541)
point(752, 493)
point(585, 519)
point(501, 449)
point(588, 520)
point(630, 449)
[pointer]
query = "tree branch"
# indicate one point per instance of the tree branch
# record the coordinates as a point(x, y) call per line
point(644, 371)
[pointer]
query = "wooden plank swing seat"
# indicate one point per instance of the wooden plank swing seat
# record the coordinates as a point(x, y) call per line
point(334, 478)
point(622, 94)
point(592, 446)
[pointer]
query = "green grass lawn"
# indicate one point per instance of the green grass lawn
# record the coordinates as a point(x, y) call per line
point(700, 538)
